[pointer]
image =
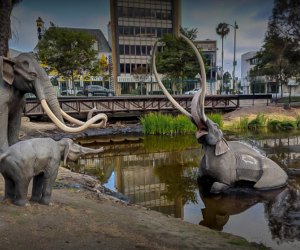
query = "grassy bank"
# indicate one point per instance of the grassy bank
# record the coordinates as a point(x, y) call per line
point(164, 124)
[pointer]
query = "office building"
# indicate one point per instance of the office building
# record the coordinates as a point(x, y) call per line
point(134, 27)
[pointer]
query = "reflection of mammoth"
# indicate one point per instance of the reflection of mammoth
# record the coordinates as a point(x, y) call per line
point(218, 209)
point(21, 75)
point(39, 159)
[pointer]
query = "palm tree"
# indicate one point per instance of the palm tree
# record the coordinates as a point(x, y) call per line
point(222, 30)
point(6, 7)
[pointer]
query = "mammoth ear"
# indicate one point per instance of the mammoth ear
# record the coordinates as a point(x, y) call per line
point(25, 69)
point(221, 147)
point(6, 69)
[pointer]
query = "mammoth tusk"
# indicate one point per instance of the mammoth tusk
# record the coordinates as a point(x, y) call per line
point(91, 112)
point(167, 94)
point(201, 98)
point(71, 119)
point(198, 98)
point(65, 128)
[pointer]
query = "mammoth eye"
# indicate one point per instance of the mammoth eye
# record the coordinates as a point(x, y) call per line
point(33, 74)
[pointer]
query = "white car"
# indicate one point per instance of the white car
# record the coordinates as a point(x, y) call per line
point(192, 92)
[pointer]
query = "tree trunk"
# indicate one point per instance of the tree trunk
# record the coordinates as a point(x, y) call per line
point(5, 31)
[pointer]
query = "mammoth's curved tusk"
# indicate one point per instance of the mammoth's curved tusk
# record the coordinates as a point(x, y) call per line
point(167, 94)
point(201, 98)
point(71, 119)
point(91, 112)
point(65, 128)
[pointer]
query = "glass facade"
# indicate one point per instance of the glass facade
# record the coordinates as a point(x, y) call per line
point(138, 24)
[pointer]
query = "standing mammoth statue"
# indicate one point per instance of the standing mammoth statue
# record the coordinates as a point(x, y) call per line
point(227, 163)
point(21, 75)
point(37, 158)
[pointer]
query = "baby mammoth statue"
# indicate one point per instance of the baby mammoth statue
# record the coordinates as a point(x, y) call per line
point(37, 158)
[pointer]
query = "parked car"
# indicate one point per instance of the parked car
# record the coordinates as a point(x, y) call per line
point(96, 90)
point(192, 92)
point(69, 92)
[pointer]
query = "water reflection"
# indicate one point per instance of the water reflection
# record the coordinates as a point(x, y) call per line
point(160, 173)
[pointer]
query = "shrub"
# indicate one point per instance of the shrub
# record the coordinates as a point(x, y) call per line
point(259, 122)
point(279, 126)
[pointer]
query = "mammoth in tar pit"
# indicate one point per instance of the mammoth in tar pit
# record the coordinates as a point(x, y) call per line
point(226, 163)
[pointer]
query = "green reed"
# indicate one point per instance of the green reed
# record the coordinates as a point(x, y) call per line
point(162, 124)
point(217, 118)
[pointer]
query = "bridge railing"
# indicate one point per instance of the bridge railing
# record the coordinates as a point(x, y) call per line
point(134, 104)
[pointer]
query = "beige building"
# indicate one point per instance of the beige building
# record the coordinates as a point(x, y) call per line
point(209, 51)
point(134, 27)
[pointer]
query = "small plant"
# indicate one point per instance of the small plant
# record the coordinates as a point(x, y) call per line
point(259, 122)
point(279, 126)
point(244, 123)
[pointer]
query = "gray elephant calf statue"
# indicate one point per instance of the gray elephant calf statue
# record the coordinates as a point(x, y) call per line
point(39, 159)
point(227, 163)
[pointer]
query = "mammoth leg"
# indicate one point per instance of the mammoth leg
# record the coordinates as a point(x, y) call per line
point(37, 187)
point(14, 122)
point(9, 188)
point(21, 192)
point(4, 126)
point(47, 188)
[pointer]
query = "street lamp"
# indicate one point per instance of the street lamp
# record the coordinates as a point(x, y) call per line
point(235, 26)
point(40, 27)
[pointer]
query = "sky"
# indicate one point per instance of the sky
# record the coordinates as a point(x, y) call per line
point(251, 17)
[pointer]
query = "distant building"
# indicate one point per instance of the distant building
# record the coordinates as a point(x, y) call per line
point(262, 83)
point(248, 61)
point(209, 51)
point(133, 29)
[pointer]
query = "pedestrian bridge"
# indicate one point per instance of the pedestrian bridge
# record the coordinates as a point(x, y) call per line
point(123, 106)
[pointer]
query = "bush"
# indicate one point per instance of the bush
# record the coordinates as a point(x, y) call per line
point(259, 122)
point(279, 126)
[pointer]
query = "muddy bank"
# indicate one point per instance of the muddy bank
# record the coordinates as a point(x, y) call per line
point(84, 216)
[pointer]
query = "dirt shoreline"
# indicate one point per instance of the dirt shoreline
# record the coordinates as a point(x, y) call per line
point(83, 216)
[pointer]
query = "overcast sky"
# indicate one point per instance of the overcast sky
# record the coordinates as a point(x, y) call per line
point(251, 16)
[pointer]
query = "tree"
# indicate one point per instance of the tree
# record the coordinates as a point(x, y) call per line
point(279, 58)
point(6, 7)
point(222, 30)
point(176, 60)
point(68, 52)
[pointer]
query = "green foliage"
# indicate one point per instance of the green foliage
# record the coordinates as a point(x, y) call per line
point(279, 57)
point(259, 122)
point(217, 118)
point(222, 30)
point(67, 51)
point(160, 124)
point(297, 122)
point(244, 123)
point(177, 60)
point(280, 126)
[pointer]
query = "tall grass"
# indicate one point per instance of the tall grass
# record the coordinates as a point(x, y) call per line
point(161, 124)
point(259, 122)
point(281, 126)
point(217, 118)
